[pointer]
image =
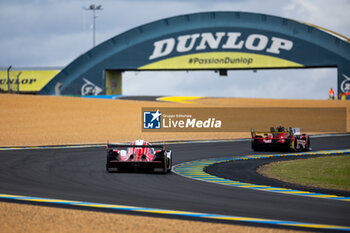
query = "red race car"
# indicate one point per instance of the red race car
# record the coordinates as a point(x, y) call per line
point(280, 139)
point(138, 155)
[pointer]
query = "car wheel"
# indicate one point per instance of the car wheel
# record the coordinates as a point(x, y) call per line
point(165, 165)
point(170, 164)
point(307, 144)
point(297, 146)
point(290, 145)
point(256, 146)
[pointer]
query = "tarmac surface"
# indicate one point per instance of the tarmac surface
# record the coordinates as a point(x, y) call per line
point(79, 174)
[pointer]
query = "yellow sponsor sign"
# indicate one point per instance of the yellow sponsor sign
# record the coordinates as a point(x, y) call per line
point(26, 80)
point(220, 60)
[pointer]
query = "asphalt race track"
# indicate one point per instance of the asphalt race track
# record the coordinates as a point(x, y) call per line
point(79, 174)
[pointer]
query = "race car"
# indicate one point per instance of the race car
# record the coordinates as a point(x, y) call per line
point(280, 139)
point(138, 155)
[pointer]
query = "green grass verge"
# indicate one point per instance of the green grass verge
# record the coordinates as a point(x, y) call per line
point(332, 172)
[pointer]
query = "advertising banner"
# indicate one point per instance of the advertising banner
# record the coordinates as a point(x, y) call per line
point(223, 49)
point(25, 80)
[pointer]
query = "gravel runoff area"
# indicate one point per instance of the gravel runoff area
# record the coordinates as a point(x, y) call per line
point(48, 120)
point(31, 218)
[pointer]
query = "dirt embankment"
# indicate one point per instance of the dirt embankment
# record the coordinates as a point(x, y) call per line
point(50, 120)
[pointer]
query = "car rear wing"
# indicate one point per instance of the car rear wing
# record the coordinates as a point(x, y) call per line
point(255, 133)
point(291, 131)
point(122, 146)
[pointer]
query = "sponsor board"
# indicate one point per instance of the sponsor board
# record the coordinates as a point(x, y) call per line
point(215, 50)
point(241, 119)
point(26, 80)
point(222, 40)
point(220, 60)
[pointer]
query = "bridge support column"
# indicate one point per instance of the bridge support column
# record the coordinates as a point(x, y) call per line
point(113, 82)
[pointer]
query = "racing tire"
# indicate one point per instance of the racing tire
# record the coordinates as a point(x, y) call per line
point(255, 146)
point(107, 162)
point(170, 164)
point(290, 145)
point(307, 147)
point(165, 165)
point(297, 146)
point(111, 155)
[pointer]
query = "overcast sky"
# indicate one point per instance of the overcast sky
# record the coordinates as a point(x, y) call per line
point(51, 33)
